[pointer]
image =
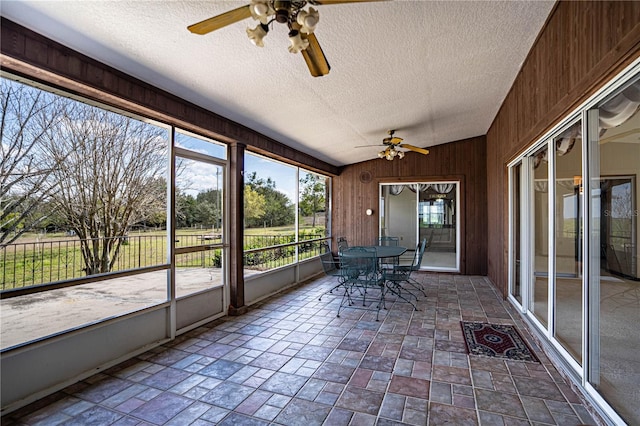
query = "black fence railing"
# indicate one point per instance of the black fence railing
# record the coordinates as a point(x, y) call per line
point(41, 262)
point(266, 258)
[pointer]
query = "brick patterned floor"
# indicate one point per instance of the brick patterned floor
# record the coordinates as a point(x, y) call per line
point(291, 361)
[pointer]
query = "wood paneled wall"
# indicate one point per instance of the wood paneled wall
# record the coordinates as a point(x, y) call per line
point(31, 55)
point(582, 46)
point(357, 188)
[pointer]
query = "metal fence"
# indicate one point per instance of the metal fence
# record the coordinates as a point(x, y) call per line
point(41, 262)
point(262, 259)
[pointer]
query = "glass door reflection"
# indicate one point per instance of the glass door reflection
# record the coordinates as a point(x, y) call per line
point(615, 365)
point(425, 210)
point(437, 223)
point(540, 236)
point(568, 240)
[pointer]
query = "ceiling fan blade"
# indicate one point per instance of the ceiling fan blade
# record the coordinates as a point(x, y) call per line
point(314, 56)
point(219, 21)
point(414, 148)
point(323, 2)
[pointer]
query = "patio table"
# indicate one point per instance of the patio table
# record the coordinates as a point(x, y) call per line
point(360, 272)
point(381, 251)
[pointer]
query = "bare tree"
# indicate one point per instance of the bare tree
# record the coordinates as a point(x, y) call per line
point(26, 115)
point(110, 176)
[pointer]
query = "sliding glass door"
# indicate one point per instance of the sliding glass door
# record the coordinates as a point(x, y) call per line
point(614, 282)
point(424, 210)
point(517, 217)
point(547, 207)
point(539, 236)
point(573, 252)
point(568, 239)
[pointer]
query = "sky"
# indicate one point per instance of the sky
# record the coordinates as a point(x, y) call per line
point(197, 176)
point(283, 175)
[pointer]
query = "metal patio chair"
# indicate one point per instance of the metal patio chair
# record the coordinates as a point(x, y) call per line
point(342, 243)
point(388, 241)
point(331, 268)
point(361, 278)
point(389, 262)
point(401, 274)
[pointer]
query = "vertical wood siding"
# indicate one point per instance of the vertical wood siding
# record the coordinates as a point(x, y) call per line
point(582, 46)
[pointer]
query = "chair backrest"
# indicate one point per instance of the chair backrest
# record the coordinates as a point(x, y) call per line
point(328, 263)
point(416, 254)
point(417, 260)
point(358, 262)
point(430, 239)
point(388, 241)
point(342, 243)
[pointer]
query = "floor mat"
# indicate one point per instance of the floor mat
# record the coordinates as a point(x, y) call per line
point(497, 341)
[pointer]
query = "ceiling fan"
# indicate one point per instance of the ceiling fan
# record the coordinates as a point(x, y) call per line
point(300, 21)
point(392, 144)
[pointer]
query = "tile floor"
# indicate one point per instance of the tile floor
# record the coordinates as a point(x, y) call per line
point(290, 361)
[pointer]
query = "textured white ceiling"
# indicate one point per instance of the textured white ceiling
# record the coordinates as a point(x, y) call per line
point(437, 71)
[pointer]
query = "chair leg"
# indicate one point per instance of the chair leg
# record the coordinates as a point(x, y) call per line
point(382, 304)
point(415, 284)
point(335, 287)
point(345, 295)
point(398, 289)
point(394, 290)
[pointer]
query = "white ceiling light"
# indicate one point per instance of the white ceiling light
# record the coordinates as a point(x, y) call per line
point(291, 13)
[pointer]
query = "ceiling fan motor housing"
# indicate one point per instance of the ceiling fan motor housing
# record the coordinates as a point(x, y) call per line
point(282, 11)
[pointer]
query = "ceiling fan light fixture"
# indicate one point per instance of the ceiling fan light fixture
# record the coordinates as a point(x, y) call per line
point(260, 10)
point(308, 20)
point(390, 153)
point(297, 42)
point(257, 34)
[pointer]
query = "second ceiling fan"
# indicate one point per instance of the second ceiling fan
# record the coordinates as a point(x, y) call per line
point(300, 21)
point(392, 144)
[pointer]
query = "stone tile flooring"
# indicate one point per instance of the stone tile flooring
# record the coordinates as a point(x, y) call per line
point(290, 361)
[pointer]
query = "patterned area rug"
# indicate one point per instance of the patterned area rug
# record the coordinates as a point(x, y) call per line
point(498, 341)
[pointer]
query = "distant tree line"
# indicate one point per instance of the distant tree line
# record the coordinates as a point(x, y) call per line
point(204, 210)
point(264, 205)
